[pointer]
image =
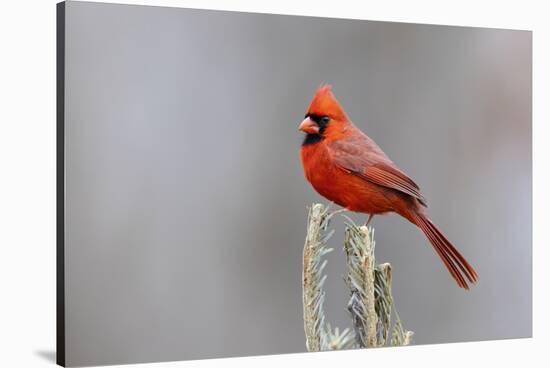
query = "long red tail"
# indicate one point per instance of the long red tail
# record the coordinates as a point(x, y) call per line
point(457, 265)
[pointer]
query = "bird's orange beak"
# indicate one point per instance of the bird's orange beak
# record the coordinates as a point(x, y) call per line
point(309, 126)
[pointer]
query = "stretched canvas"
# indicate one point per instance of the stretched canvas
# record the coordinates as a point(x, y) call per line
point(209, 160)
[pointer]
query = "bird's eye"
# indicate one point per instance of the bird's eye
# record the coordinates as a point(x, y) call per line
point(324, 120)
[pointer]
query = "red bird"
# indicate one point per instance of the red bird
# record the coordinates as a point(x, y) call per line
point(348, 168)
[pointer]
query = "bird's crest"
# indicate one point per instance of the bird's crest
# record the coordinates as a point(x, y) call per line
point(325, 103)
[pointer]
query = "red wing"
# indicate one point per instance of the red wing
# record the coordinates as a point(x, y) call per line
point(391, 177)
point(374, 167)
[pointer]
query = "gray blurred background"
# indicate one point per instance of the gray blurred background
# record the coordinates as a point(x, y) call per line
point(185, 198)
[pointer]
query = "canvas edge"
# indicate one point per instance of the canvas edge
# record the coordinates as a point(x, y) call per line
point(60, 184)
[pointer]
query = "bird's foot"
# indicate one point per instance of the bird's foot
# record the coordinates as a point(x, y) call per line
point(333, 213)
point(371, 216)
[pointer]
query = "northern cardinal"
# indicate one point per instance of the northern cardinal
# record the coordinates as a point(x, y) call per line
point(348, 168)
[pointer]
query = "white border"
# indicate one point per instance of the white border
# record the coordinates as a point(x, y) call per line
point(27, 181)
